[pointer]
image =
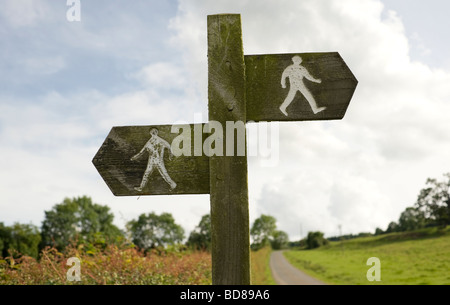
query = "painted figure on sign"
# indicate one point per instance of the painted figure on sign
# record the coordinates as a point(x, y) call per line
point(296, 72)
point(155, 148)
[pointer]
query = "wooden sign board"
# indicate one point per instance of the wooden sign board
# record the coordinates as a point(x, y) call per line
point(297, 87)
point(136, 160)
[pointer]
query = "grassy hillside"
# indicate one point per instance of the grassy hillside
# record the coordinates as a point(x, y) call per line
point(418, 258)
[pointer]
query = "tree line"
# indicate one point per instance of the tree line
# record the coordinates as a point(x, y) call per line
point(79, 221)
point(431, 209)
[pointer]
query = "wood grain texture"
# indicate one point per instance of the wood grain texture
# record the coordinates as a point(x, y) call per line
point(264, 93)
point(122, 175)
point(228, 175)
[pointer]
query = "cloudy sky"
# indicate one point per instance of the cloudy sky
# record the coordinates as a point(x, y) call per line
point(63, 85)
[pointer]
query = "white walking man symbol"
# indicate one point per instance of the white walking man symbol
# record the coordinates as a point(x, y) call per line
point(155, 147)
point(296, 73)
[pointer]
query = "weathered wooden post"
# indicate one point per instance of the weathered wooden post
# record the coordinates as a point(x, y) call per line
point(228, 174)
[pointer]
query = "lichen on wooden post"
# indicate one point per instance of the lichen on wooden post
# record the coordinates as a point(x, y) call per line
point(228, 174)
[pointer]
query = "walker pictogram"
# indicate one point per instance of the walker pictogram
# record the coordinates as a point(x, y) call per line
point(296, 73)
point(155, 148)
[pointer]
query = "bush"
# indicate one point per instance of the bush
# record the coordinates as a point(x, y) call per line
point(315, 240)
point(19, 238)
point(279, 240)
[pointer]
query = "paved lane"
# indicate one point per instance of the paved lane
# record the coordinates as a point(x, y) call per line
point(286, 274)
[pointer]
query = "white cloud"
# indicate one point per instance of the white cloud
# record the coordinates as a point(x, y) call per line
point(24, 13)
point(163, 75)
point(43, 65)
point(419, 44)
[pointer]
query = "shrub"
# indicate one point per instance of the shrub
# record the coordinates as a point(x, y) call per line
point(110, 265)
point(315, 240)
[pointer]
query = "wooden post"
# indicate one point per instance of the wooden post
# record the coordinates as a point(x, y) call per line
point(228, 174)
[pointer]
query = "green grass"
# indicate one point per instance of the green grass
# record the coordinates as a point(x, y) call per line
point(408, 258)
point(260, 268)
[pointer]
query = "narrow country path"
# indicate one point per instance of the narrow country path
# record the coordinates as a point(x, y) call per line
point(286, 274)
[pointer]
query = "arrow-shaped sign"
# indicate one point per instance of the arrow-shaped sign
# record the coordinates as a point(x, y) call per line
point(139, 160)
point(297, 87)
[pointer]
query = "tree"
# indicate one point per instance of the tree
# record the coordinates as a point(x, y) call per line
point(434, 201)
point(4, 240)
point(80, 220)
point(262, 231)
point(20, 239)
point(280, 240)
point(25, 239)
point(378, 231)
point(315, 240)
point(392, 227)
point(151, 231)
point(411, 219)
point(200, 238)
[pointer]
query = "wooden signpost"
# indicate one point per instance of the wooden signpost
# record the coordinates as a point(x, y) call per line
point(165, 159)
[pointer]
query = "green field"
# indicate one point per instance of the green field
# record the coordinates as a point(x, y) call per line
point(407, 258)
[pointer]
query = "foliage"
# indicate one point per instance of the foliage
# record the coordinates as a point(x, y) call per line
point(22, 238)
point(432, 208)
point(4, 239)
point(351, 236)
point(264, 233)
point(411, 219)
point(200, 238)
point(77, 219)
point(434, 201)
point(150, 231)
point(392, 227)
point(110, 265)
point(279, 240)
point(315, 240)
point(407, 258)
point(378, 231)
point(262, 230)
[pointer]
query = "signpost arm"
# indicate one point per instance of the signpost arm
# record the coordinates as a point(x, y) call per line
point(228, 174)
